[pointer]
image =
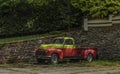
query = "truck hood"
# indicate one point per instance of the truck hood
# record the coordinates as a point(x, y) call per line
point(46, 46)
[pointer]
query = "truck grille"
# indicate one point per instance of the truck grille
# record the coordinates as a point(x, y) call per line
point(40, 52)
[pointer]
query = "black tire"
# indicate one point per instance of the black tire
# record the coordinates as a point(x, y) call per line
point(90, 58)
point(55, 59)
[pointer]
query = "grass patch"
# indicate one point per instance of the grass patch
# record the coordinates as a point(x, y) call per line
point(25, 38)
point(110, 64)
point(99, 63)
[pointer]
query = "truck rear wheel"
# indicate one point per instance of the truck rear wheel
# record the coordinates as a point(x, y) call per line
point(90, 58)
point(55, 59)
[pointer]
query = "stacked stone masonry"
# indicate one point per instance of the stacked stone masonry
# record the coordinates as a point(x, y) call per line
point(106, 39)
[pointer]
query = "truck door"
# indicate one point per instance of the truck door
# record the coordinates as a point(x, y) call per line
point(69, 48)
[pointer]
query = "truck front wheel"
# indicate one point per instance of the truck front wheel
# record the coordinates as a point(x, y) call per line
point(55, 59)
point(90, 58)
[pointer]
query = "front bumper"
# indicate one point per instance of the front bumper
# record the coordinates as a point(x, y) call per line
point(42, 54)
point(43, 57)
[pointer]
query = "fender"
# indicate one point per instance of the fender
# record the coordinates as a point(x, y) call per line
point(85, 52)
point(60, 53)
point(57, 51)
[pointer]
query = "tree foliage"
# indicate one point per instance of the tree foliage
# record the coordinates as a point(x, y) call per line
point(24, 17)
point(97, 8)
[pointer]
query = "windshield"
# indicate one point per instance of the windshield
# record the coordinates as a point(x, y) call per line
point(58, 41)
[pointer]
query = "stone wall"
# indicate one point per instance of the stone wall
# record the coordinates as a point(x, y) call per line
point(106, 39)
point(20, 51)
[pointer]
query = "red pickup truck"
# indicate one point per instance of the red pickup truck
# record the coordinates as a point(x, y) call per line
point(64, 48)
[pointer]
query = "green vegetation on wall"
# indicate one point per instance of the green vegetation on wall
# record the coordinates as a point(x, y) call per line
point(25, 17)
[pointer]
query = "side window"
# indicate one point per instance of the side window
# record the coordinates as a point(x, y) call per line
point(68, 42)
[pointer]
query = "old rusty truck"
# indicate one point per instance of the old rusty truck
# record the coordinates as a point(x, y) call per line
point(64, 48)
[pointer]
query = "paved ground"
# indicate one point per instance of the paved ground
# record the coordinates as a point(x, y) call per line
point(46, 69)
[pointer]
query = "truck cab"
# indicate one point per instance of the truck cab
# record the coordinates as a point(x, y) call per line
point(63, 48)
point(60, 42)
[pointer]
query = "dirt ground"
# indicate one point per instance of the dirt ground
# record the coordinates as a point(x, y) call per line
point(49, 69)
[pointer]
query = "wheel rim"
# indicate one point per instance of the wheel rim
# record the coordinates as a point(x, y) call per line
point(90, 58)
point(54, 59)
